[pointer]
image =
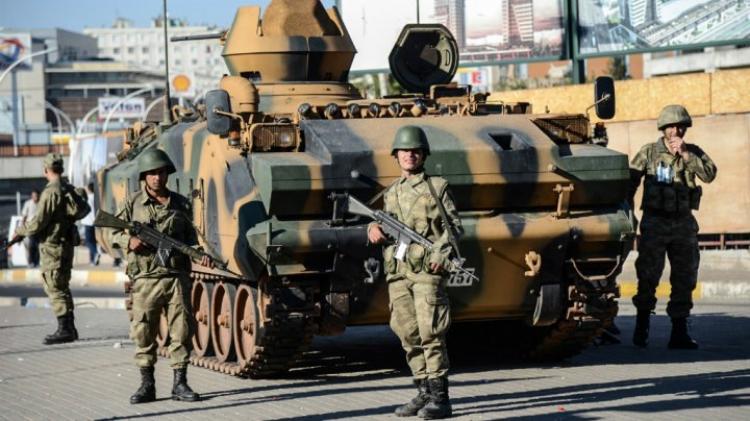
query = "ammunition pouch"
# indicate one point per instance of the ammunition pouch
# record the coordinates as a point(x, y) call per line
point(389, 260)
point(415, 258)
point(676, 199)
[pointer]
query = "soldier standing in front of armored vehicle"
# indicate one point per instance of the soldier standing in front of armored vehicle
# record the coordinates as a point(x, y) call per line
point(56, 233)
point(420, 310)
point(670, 193)
point(157, 288)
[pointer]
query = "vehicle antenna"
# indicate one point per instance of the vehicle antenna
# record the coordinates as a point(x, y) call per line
point(167, 99)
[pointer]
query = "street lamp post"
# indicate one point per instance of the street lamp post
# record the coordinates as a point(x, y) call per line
point(15, 92)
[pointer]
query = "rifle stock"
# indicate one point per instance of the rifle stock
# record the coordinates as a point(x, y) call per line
point(107, 220)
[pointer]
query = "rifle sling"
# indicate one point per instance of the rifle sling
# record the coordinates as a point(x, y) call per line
point(444, 214)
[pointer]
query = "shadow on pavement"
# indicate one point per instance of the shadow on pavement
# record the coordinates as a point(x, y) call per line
point(694, 391)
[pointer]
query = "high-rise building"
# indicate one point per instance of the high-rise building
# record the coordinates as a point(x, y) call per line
point(520, 21)
point(144, 47)
point(451, 13)
point(641, 12)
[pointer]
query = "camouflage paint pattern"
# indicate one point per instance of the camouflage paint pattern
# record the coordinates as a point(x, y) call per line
point(269, 213)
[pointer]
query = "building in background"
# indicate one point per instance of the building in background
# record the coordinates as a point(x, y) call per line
point(143, 47)
point(76, 87)
point(450, 13)
point(31, 122)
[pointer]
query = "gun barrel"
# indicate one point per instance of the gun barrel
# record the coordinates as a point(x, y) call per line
point(197, 37)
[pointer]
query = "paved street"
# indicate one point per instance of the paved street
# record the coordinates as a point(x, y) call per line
point(361, 375)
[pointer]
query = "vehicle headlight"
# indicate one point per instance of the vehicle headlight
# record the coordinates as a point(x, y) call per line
point(273, 137)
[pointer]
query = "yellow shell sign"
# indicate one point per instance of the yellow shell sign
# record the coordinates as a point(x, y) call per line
point(181, 83)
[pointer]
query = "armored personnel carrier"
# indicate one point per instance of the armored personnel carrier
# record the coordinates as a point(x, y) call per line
point(269, 156)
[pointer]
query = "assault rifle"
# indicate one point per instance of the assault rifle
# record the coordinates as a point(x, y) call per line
point(15, 240)
point(404, 236)
point(162, 243)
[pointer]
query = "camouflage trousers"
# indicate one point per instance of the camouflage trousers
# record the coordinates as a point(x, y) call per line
point(420, 317)
point(57, 288)
point(151, 297)
point(677, 238)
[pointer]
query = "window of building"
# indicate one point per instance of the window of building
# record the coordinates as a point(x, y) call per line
point(195, 62)
point(116, 50)
point(144, 50)
point(178, 62)
point(131, 50)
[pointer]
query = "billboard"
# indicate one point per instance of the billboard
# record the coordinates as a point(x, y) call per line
point(14, 46)
point(129, 108)
point(610, 26)
point(487, 31)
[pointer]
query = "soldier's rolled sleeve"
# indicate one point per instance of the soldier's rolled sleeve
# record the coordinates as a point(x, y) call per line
point(699, 163)
point(48, 202)
point(121, 238)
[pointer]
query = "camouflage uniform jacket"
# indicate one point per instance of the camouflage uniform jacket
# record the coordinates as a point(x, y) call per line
point(173, 219)
point(681, 187)
point(52, 227)
point(411, 202)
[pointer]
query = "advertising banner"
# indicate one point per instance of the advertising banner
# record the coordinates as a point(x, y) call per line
point(487, 31)
point(608, 26)
point(131, 108)
point(14, 46)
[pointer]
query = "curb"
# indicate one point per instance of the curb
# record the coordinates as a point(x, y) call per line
point(81, 278)
point(704, 290)
point(117, 303)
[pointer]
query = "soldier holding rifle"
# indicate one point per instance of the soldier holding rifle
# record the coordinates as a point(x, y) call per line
point(159, 281)
point(53, 224)
point(420, 310)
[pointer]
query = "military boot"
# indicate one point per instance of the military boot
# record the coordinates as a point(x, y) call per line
point(72, 326)
point(147, 391)
point(640, 334)
point(181, 391)
point(65, 332)
point(439, 405)
point(680, 339)
point(411, 408)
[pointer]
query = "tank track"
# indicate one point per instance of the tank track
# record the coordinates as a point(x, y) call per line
point(583, 323)
point(284, 336)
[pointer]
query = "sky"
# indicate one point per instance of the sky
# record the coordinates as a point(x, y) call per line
point(75, 15)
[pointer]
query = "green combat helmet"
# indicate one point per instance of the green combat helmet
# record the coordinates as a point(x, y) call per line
point(154, 159)
point(410, 137)
point(673, 114)
point(54, 161)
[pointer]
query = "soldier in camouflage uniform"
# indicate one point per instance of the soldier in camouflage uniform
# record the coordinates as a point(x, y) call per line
point(420, 310)
point(157, 288)
point(56, 233)
point(670, 193)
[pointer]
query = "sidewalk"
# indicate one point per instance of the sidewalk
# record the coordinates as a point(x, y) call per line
point(84, 274)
